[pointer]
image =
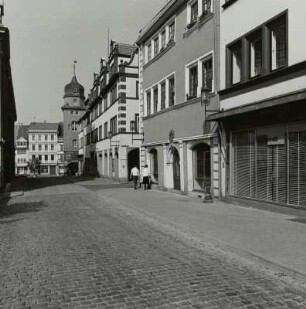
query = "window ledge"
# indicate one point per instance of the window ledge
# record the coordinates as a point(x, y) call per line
point(203, 19)
point(160, 54)
point(228, 3)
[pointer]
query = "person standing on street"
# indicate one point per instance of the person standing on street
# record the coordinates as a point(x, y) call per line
point(145, 177)
point(134, 176)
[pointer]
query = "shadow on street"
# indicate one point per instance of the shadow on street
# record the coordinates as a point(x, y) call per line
point(19, 208)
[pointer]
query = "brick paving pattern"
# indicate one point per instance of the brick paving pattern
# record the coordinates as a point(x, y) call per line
point(76, 251)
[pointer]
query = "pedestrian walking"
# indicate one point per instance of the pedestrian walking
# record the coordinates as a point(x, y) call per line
point(135, 176)
point(145, 177)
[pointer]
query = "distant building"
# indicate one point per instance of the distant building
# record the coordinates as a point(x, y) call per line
point(7, 111)
point(263, 101)
point(44, 140)
point(109, 138)
point(179, 52)
point(21, 150)
point(73, 109)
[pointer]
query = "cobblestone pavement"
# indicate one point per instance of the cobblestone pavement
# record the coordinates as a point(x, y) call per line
point(76, 251)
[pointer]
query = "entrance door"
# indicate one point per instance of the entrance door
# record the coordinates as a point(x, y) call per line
point(176, 171)
point(52, 170)
point(133, 160)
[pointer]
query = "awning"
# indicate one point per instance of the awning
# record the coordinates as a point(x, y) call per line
point(271, 102)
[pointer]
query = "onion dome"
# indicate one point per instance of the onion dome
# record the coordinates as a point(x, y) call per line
point(74, 89)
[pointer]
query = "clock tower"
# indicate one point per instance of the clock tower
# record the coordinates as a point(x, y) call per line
point(73, 109)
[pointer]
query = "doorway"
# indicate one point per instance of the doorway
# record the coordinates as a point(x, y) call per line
point(133, 160)
point(176, 170)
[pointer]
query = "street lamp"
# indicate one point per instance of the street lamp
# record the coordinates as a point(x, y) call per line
point(205, 95)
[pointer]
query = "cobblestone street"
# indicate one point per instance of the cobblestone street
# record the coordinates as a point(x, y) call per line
point(63, 246)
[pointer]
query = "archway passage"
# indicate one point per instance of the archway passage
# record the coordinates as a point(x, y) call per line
point(176, 170)
point(133, 160)
point(202, 167)
point(72, 168)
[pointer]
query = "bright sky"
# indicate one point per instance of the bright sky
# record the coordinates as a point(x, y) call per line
point(48, 35)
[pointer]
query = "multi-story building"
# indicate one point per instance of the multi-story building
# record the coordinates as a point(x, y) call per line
point(21, 150)
point(8, 109)
point(178, 64)
point(109, 138)
point(263, 100)
point(73, 109)
point(44, 144)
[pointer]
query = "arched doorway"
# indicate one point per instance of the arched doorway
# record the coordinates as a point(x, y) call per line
point(133, 160)
point(202, 167)
point(154, 164)
point(176, 169)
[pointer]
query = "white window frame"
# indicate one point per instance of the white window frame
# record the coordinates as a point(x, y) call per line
point(199, 61)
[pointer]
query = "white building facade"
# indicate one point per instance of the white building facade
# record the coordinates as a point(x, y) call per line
point(263, 101)
point(109, 138)
point(44, 140)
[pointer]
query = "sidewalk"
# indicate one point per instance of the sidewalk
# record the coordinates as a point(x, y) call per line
point(274, 238)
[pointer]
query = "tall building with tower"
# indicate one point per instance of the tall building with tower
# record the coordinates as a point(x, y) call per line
point(73, 109)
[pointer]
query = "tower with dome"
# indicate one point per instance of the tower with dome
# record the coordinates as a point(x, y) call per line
point(73, 109)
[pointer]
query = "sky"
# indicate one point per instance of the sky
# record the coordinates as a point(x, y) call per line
point(48, 35)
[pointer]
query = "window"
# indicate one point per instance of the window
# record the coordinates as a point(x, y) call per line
point(100, 108)
point(194, 11)
point(156, 46)
point(33, 147)
point(171, 91)
point(46, 147)
point(74, 143)
point(236, 63)
point(52, 157)
point(61, 147)
point(149, 48)
point(100, 132)
point(265, 51)
point(39, 157)
point(136, 122)
point(171, 31)
point(52, 137)
point(207, 7)
point(255, 43)
point(113, 125)
point(46, 137)
point(155, 98)
point(278, 44)
point(148, 102)
point(39, 137)
point(193, 81)
point(163, 39)
point(46, 158)
point(105, 130)
point(207, 73)
point(33, 137)
point(52, 147)
point(21, 151)
point(163, 95)
point(74, 126)
point(39, 147)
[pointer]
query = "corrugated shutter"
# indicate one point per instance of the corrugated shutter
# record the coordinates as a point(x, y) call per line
point(244, 164)
point(262, 168)
point(293, 168)
point(302, 148)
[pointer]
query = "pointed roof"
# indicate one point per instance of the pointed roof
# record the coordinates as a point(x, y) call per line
point(23, 132)
point(43, 126)
point(74, 89)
